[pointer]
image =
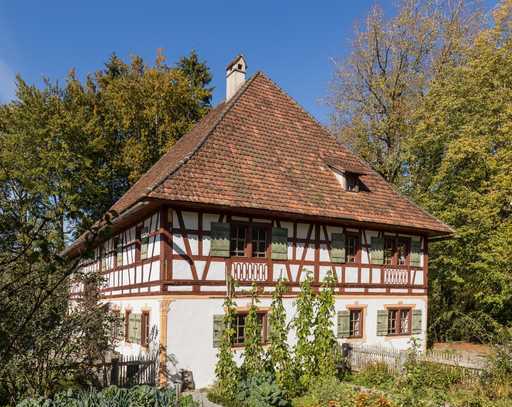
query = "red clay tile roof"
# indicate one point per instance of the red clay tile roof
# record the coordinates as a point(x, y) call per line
point(261, 150)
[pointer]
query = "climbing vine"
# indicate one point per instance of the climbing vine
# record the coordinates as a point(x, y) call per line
point(324, 343)
point(253, 363)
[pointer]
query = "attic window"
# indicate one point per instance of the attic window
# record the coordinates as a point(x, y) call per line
point(347, 173)
point(352, 181)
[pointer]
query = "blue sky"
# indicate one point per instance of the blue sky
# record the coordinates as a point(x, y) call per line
point(292, 41)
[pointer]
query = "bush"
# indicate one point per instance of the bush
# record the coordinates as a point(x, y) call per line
point(258, 391)
point(375, 375)
point(138, 396)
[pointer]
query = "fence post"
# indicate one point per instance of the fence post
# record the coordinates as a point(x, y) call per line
point(114, 371)
point(178, 393)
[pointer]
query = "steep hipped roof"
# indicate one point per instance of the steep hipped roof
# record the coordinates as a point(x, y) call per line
point(261, 150)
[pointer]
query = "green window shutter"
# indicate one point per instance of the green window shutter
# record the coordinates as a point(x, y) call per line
point(377, 250)
point(416, 253)
point(137, 328)
point(343, 324)
point(218, 329)
point(119, 252)
point(120, 328)
point(417, 316)
point(144, 244)
point(279, 243)
point(382, 323)
point(338, 248)
point(220, 239)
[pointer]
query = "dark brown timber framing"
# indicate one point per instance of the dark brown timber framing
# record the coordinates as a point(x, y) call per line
point(316, 237)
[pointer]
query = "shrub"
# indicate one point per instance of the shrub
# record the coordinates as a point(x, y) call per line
point(138, 396)
point(331, 392)
point(375, 374)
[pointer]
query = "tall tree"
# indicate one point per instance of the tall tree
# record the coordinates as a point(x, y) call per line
point(380, 85)
point(66, 154)
point(461, 166)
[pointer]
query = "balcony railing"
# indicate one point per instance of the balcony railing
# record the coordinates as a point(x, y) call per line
point(249, 270)
point(395, 276)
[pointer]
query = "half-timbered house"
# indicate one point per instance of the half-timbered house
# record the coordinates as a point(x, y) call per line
point(258, 191)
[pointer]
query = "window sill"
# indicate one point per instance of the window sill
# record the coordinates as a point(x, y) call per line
point(397, 336)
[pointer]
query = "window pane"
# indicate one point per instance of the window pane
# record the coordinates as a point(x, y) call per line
point(355, 323)
point(404, 321)
point(259, 241)
point(392, 314)
point(237, 246)
point(388, 250)
point(402, 251)
point(351, 248)
point(239, 328)
point(351, 182)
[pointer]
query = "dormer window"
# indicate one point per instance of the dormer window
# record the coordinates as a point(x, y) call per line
point(347, 173)
point(352, 181)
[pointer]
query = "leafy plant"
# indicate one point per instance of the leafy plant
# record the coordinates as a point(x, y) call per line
point(279, 352)
point(324, 343)
point(253, 362)
point(303, 351)
point(226, 370)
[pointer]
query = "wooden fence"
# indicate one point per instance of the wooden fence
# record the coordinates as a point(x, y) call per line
point(127, 371)
point(361, 356)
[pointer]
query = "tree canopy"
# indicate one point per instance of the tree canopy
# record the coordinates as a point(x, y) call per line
point(67, 153)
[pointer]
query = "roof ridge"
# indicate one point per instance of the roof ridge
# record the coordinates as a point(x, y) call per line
point(228, 106)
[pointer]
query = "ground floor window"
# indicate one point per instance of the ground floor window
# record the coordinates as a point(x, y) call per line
point(136, 327)
point(399, 321)
point(240, 324)
point(356, 323)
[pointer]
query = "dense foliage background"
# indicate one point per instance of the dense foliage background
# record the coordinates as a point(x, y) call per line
point(66, 154)
point(425, 97)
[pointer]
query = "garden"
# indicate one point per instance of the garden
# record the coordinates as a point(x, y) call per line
point(314, 373)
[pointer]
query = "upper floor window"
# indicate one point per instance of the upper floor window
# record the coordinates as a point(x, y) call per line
point(238, 240)
point(249, 240)
point(351, 248)
point(389, 250)
point(396, 250)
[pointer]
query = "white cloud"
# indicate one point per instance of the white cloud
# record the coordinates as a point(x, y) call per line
point(7, 83)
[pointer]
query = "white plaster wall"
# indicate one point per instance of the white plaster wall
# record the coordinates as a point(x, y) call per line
point(190, 328)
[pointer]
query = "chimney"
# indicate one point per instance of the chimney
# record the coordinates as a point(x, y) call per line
point(235, 75)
